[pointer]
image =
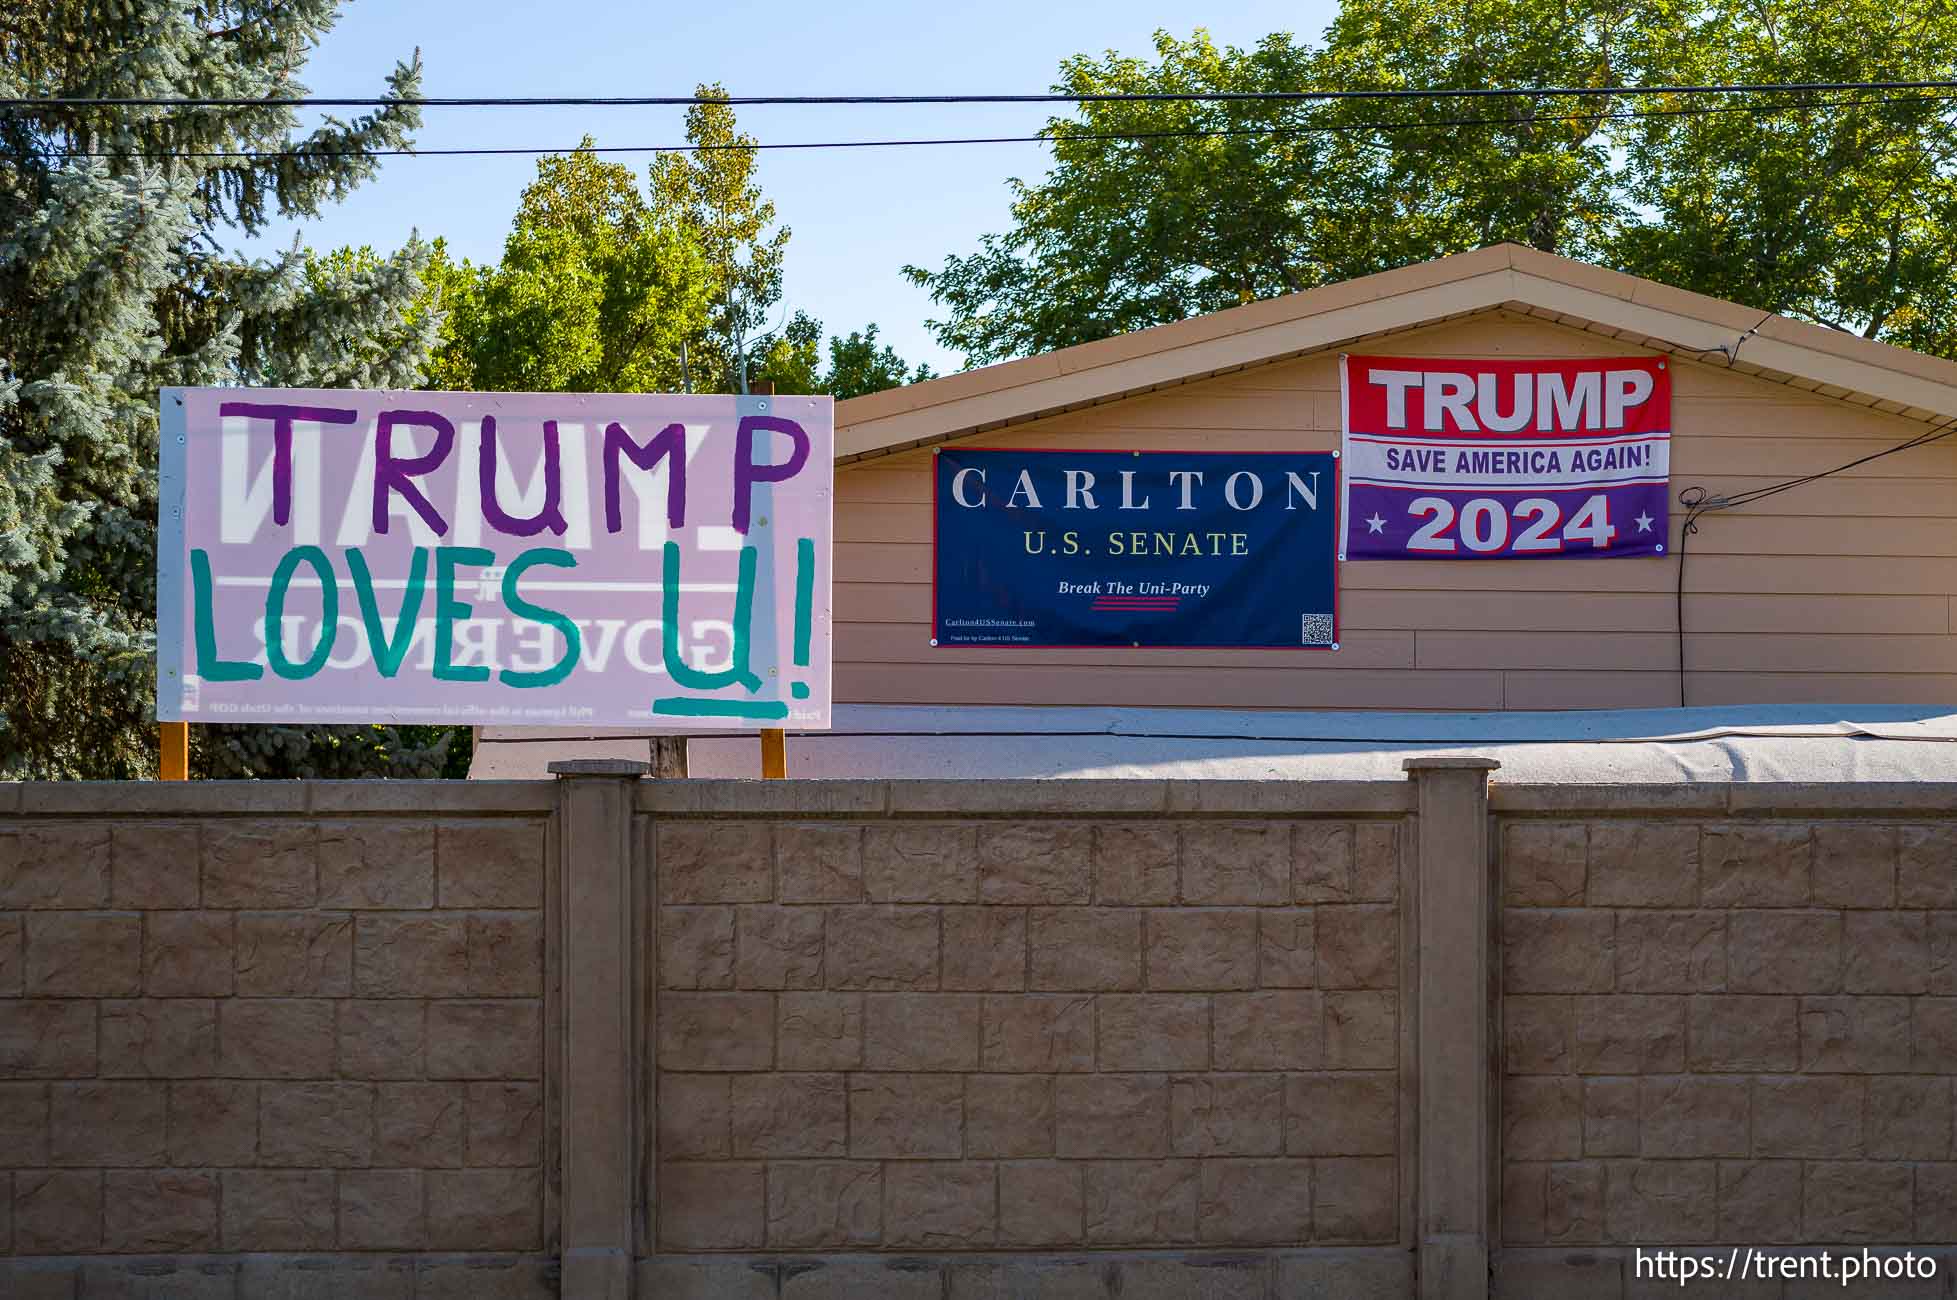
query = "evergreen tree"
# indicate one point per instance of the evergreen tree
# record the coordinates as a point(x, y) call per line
point(114, 282)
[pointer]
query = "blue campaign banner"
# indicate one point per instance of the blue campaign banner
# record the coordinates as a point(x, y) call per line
point(1123, 548)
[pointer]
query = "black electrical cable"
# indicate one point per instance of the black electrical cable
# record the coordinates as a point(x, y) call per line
point(1206, 96)
point(1044, 138)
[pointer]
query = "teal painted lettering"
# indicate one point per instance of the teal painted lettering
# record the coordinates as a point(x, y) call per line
point(681, 672)
point(389, 651)
point(537, 613)
point(449, 610)
point(804, 597)
point(329, 618)
point(687, 706)
point(209, 666)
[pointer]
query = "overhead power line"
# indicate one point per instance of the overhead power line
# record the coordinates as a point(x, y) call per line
point(1043, 138)
point(743, 101)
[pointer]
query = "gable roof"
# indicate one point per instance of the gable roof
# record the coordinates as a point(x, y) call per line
point(1644, 313)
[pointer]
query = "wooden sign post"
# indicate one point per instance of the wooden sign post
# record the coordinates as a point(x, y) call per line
point(176, 750)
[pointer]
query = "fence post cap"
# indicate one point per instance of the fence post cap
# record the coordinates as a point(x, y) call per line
point(1447, 762)
point(599, 767)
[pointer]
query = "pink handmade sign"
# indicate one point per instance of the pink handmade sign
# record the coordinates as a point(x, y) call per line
point(505, 558)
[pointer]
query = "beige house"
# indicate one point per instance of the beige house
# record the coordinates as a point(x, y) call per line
point(1838, 593)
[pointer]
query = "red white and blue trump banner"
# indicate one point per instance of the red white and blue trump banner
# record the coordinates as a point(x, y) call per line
point(1482, 460)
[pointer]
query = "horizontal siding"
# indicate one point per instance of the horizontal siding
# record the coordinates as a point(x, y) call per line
point(1840, 591)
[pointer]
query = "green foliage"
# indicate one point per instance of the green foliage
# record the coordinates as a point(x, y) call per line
point(858, 366)
point(1843, 217)
point(114, 282)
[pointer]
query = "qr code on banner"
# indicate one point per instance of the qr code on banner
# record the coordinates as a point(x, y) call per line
point(1316, 629)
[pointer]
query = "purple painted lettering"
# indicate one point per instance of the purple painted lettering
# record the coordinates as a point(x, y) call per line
point(669, 442)
point(282, 418)
point(391, 474)
point(550, 516)
point(747, 473)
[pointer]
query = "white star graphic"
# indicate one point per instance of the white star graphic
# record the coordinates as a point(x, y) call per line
point(1376, 524)
point(1643, 521)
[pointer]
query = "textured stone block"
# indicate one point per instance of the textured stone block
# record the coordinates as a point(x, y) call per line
point(1135, 865)
point(1358, 947)
point(716, 1031)
point(985, 948)
point(329, 1277)
point(1630, 1034)
point(695, 1116)
point(84, 954)
point(1857, 1201)
point(1610, 1117)
point(420, 1125)
point(1353, 1200)
point(713, 862)
point(819, 1031)
point(905, 1116)
point(921, 1031)
point(1226, 1115)
point(1524, 1210)
point(502, 1040)
point(294, 954)
point(491, 863)
point(1326, 1275)
point(1286, 956)
point(1008, 1116)
point(1355, 1114)
point(1544, 864)
point(1559, 950)
point(275, 1038)
point(921, 863)
point(940, 1206)
point(1042, 1203)
point(1671, 952)
point(1760, 1201)
point(1783, 952)
point(506, 1124)
point(1885, 952)
point(1926, 866)
point(1034, 1032)
point(12, 959)
point(1659, 1200)
point(1254, 1202)
point(1361, 1030)
point(1111, 1115)
point(311, 1125)
point(381, 864)
point(1275, 1029)
point(161, 1211)
point(1754, 866)
point(488, 1209)
point(1036, 862)
point(1538, 1034)
point(506, 955)
point(212, 1123)
point(381, 1039)
point(1085, 948)
point(1694, 1115)
point(824, 1203)
point(847, 1278)
point(785, 1116)
point(1815, 1116)
point(1933, 1034)
point(1236, 863)
point(882, 948)
point(819, 863)
point(1643, 864)
point(155, 865)
point(55, 866)
point(1154, 1031)
point(278, 1209)
point(1909, 1118)
point(696, 948)
point(1563, 1274)
point(1854, 864)
point(486, 1277)
point(1742, 1033)
point(1212, 1277)
point(411, 954)
point(260, 864)
point(1573, 1202)
point(1942, 943)
point(778, 947)
point(1936, 1202)
point(57, 1212)
point(380, 1209)
point(23, 1125)
point(1141, 1202)
point(1196, 950)
point(47, 1039)
point(1542, 1118)
point(101, 1123)
point(159, 1038)
point(1859, 1035)
point(188, 954)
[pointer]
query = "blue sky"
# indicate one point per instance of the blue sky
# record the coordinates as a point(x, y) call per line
point(857, 215)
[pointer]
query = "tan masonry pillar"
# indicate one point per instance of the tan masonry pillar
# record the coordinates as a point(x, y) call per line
point(1454, 1038)
point(597, 1048)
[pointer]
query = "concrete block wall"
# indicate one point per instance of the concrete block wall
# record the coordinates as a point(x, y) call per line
point(250, 1021)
